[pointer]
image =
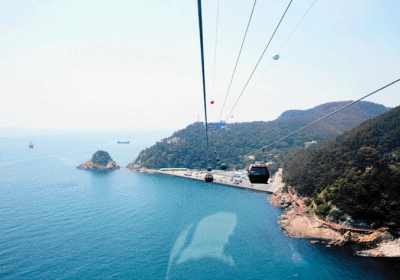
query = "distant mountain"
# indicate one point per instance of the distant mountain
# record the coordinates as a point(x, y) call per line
point(186, 147)
point(358, 172)
point(292, 114)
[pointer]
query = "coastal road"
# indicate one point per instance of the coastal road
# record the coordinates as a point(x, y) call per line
point(231, 178)
point(275, 182)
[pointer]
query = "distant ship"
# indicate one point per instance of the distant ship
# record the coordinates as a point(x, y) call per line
point(31, 145)
point(123, 142)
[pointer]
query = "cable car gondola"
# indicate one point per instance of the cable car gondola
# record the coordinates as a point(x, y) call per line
point(209, 178)
point(258, 174)
point(224, 166)
point(275, 56)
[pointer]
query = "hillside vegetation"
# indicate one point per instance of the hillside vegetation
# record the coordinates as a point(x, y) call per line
point(100, 160)
point(356, 172)
point(186, 147)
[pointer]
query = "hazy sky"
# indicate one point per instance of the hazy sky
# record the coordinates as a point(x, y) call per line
point(136, 64)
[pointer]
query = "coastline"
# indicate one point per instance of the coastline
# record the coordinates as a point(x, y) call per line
point(298, 222)
point(295, 222)
point(227, 178)
point(389, 249)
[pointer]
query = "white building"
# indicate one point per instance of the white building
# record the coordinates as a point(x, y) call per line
point(307, 144)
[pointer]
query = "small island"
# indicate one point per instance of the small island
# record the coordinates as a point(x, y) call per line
point(100, 160)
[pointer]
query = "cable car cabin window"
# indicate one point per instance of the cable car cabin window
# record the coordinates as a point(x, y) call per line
point(258, 171)
point(258, 175)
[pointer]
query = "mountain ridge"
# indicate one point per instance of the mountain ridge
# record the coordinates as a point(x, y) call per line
point(358, 172)
point(188, 147)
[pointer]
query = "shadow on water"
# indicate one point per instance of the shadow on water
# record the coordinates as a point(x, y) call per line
point(101, 178)
point(387, 267)
point(207, 239)
point(342, 262)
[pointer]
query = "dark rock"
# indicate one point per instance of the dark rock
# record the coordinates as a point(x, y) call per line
point(100, 160)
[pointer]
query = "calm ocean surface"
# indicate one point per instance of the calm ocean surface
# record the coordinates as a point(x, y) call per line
point(57, 222)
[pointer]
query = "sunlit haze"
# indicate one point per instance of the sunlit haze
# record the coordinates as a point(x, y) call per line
point(108, 65)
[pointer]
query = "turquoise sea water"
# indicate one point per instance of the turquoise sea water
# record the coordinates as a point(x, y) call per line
point(57, 222)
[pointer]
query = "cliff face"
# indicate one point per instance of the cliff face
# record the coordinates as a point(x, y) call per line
point(364, 240)
point(133, 165)
point(100, 160)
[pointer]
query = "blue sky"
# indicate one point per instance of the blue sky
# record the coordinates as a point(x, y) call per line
point(109, 65)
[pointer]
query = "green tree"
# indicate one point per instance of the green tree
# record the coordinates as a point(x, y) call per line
point(367, 155)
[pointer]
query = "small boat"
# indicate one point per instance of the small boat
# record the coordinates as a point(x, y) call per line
point(123, 142)
point(31, 145)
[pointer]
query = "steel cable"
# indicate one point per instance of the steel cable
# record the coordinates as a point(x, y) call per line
point(316, 121)
point(202, 69)
point(237, 60)
point(259, 60)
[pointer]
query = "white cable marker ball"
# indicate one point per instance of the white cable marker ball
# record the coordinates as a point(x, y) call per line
point(275, 56)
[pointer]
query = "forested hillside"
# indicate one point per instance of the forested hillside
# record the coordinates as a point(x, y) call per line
point(358, 172)
point(186, 147)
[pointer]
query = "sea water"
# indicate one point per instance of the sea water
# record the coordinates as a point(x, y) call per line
point(58, 222)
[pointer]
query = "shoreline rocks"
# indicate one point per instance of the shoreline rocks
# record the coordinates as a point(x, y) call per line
point(134, 166)
point(302, 225)
point(388, 249)
point(365, 241)
point(297, 221)
point(100, 160)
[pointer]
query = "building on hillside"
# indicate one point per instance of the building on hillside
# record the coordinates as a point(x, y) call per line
point(217, 126)
point(172, 140)
point(250, 157)
point(308, 144)
point(173, 169)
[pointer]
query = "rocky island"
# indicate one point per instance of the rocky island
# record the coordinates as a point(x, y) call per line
point(100, 160)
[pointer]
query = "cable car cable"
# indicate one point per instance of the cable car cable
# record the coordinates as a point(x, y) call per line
point(202, 69)
point(287, 40)
point(259, 60)
point(215, 48)
point(318, 120)
point(312, 4)
point(237, 60)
